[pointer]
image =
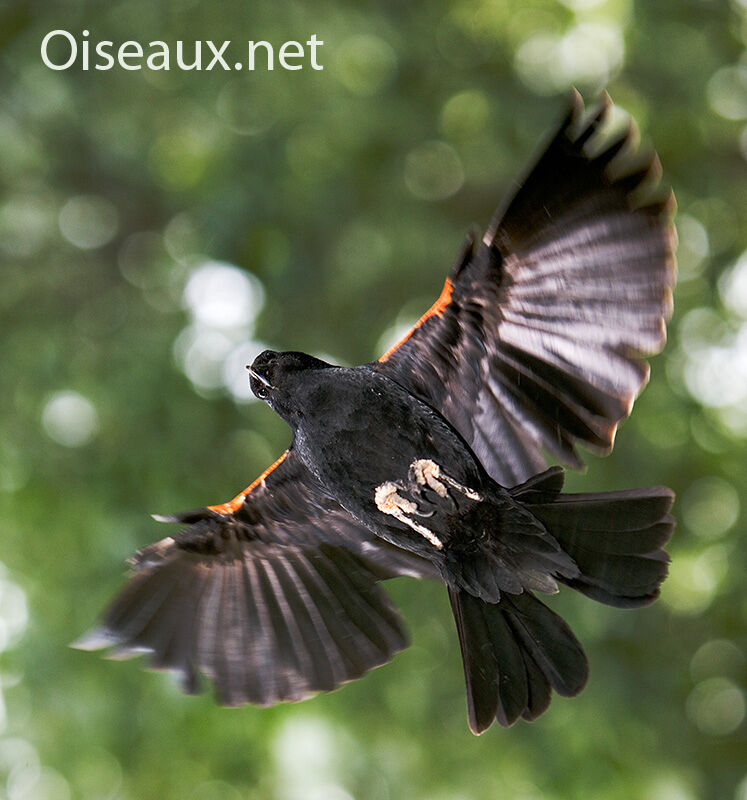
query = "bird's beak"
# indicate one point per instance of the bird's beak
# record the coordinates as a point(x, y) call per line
point(260, 378)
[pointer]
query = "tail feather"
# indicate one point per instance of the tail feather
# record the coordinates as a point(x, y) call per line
point(513, 696)
point(615, 539)
point(539, 691)
point(626, 510)
point(542, 487)
point(550, 642)
point(514, 653)
point(516, 650)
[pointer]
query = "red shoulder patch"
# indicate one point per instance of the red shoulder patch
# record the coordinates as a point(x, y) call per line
point(234, 505)
point(435, 310)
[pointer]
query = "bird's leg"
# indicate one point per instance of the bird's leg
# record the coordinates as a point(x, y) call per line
point(425, 472)
point(390, 501)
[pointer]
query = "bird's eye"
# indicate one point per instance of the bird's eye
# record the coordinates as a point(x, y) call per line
point(261, 392)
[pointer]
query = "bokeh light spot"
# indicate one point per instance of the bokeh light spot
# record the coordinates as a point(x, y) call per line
point(715, 359)
point(365, 64)
point(694, 579)
point(716, 657)
point(220, 295)
point(213, 351)
point(180, 158)
point(710, 506)
point(733, 287)
point(19, 761)
point(433, 171)
point(38, 784)
point(701, 326)
point(716, 706)
point(589, 54)
point(307, 752)
point(465, 114)
point(669, 787)
point(180, 237)
point(70, 419)
point(534, 61)
point(727, 92)
point(88, 221)
point(714, 377)
point(693, 247)
point(14, 613)
point(200, 352)
point(25, 225)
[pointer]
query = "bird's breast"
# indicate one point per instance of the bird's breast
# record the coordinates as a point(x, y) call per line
point(389, 459)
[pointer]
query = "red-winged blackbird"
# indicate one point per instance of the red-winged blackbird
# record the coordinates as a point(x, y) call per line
point(403, 466)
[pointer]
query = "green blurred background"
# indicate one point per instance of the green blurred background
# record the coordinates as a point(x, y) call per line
point(158, 229)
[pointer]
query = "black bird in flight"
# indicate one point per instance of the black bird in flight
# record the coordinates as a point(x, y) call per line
point(430, 462)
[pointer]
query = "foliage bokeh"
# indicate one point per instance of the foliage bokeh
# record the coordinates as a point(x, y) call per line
point(132, 201)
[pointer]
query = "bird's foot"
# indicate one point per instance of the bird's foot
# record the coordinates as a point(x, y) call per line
point(399, 500)
point(425, 472)
point(390, 501)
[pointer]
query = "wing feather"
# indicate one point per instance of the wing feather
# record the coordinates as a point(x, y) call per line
point(273, 596)
point(538, 341)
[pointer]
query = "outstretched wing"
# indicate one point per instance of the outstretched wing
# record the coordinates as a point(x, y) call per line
point(274, 595)
point(538, 338)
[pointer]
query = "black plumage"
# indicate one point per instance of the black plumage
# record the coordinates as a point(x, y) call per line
point(431, 462)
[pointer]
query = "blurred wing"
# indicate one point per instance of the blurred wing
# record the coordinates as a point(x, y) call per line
point(274, 595)
point(538, 338)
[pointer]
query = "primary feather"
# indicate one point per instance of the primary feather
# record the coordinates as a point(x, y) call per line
point(541, 344)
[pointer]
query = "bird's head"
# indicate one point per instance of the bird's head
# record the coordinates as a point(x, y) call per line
point(277, 377)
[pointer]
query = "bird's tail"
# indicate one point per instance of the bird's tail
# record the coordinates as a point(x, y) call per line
point(614, 538)
point(514, 652)
point(607, 545)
